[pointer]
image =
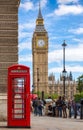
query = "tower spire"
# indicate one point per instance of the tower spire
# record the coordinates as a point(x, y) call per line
point(40, 21)
point(39, 13)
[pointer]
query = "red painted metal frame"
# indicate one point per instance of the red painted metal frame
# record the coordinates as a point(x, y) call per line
point(19, 72)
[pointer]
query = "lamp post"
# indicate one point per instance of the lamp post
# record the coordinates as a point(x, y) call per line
point(38, 80)
point(64, 70)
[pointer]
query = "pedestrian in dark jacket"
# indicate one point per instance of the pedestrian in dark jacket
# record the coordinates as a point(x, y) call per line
point(59, 106)
point(35, 106)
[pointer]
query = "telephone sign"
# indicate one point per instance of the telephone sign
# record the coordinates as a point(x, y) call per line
point(19, 96)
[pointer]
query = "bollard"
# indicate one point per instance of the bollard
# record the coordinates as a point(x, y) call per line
point(75, 111)
point(81, 109)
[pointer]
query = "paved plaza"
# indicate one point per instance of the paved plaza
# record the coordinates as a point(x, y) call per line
point(49, 123)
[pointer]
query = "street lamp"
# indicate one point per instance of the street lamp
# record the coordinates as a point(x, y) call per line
point(38, 80)
point(64, 70)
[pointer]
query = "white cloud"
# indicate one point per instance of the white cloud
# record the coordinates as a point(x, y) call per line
point(77, 30)
point(73, 54)
point(55, 56)
point(29, 25)
point(25, 30)
point(55, 70)
point(78, 40)
point(67, 1)
point(68, 9)
point(24, 34)
point(24, 45)
point(43, 3)
point(25, 58)
point(76, 69)
point(28, 5)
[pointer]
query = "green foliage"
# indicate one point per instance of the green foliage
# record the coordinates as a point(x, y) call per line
point(80, 83)
point(53, 96)
point(38, 93)
point(46, 95)
point(78, 97)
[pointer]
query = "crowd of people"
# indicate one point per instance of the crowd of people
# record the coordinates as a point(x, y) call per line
point(38, 106)
point(57, 108)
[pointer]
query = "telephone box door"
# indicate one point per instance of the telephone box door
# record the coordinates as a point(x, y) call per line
point(19, 99)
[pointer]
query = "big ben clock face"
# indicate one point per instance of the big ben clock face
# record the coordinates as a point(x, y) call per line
point(41, 43)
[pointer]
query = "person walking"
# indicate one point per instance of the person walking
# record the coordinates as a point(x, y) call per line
point(40, 106)
point(64, 107)
point(59, 106)
point(35, 106)
point(53, 107)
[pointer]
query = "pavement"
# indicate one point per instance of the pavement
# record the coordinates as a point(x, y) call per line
point(49, 123)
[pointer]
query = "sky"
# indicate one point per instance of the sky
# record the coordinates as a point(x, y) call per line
point(63, 20)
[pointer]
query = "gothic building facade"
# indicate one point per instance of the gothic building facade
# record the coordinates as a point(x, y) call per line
point(56, 86)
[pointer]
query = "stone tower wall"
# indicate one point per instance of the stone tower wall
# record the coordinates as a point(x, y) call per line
point(8, 38)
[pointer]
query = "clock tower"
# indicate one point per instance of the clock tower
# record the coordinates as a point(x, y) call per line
point(40, 55)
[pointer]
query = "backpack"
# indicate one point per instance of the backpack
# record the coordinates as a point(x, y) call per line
point(35, 103)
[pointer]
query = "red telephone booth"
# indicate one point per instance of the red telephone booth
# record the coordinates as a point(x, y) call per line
point(19, 96)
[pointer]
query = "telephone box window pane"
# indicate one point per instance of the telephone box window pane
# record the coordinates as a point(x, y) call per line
point(18, 98)
point(18, 106)
point(18, 101)
point(19, 117)
point(17, 111)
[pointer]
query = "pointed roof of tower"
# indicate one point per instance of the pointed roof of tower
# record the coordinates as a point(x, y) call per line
point(39, 13)
point(40, 22)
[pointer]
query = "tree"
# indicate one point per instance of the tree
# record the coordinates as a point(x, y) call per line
point(46, 95)
point(78, 96)
point(80, 83)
